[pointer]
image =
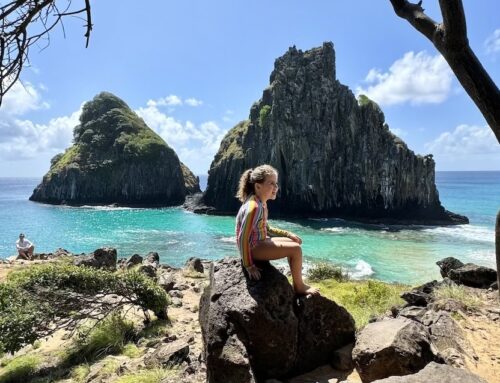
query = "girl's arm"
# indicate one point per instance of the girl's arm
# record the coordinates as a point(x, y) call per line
point(277, 232)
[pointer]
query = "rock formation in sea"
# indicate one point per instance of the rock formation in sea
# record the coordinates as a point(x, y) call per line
point(115, 158)
point(335, 154)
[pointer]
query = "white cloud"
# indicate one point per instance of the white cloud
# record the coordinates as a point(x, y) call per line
point(416, 78)
point(22, 139)
point(173, 100)
point(22, 98)
point(467, 147)
point(193, 102)
point(195, 145)
point(492, 43)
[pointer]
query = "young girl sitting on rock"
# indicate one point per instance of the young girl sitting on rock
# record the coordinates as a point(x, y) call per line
point(256, 187)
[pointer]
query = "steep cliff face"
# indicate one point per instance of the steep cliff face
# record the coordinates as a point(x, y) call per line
point(115, 158)
point(335, 155)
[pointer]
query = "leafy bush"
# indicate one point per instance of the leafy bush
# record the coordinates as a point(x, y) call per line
point(264, 114)
point(323, 271)
point(20, 369)
point(34, 298)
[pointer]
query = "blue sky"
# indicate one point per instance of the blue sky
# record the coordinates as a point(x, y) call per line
point(193, 68)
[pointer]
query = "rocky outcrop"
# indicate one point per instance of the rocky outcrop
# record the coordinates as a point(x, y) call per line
point(467, 274)
point(103, 258)
point(447, 264)
point(115, 158)
point(258, 330)
point(436, 373)
point(191, 182)
point(391, 347)
point(474, 276)
point(335, 155)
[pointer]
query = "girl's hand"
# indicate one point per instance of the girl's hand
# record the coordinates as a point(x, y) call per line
point(295, 238)
point(253, 272)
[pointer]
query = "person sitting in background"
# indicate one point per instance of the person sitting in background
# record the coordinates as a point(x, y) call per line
point(24, 247)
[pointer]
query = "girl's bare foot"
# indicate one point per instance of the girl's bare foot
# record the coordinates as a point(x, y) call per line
point(305, 290)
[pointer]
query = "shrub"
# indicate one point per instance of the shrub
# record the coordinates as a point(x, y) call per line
point(32, 299)
point(264, 114)
point(20, 369)
point(323, 271)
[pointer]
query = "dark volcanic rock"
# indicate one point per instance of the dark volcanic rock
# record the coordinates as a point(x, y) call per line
point(115, 159)
point(104, 258)
point(391, 347)
point(473, 276)
point(335, 155)
point(436, 373)
point(256, 330)
point(447, 264)
point(191, 182)
point(194, 264)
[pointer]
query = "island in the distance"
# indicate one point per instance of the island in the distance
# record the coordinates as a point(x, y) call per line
point(115, 159)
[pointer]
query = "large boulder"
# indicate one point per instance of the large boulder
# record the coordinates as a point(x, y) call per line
point(473, 275)
point(436, 373)
point(449, 343)
point(391, 347)
point(115, 158)
point(257, 330)
point(447, 264)
point(103, 258)
point(335, 154)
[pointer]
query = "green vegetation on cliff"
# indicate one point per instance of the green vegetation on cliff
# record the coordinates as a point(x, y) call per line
point(231, 146)
point(109, 131)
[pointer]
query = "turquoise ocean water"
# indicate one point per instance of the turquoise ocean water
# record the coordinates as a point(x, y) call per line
point(390, 253)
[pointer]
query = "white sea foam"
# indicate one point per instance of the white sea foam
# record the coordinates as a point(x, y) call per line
point(361, 270)
point(228, 239)
point(107, 207)
point(465, 232)
point(482, 257)
point(335, 229)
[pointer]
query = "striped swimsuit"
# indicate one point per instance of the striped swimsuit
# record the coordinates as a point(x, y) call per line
point(251, 227)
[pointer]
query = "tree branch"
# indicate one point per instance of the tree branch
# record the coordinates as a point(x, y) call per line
point(455, 27)
point(450, 39)
point(414, 14)
point(22, 24)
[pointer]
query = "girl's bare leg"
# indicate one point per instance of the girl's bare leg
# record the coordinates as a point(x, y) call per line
point(274, 248)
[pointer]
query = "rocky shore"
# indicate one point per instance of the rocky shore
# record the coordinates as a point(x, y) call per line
point(221, 327)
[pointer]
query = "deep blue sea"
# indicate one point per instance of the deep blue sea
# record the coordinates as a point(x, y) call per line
point(390, 253)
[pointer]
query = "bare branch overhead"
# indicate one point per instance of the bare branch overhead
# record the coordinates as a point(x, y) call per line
point(450, 39)
point(23, 24)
